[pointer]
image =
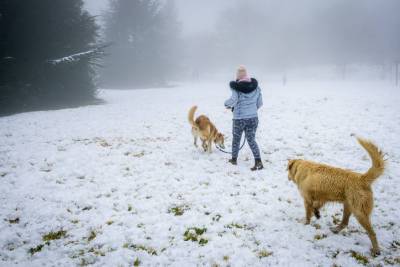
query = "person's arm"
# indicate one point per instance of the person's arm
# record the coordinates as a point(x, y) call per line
point(232, 102)
point(259, 100)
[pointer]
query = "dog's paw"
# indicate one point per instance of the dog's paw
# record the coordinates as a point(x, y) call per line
point(375, 252)
point(336, 229)
point(304, 221)
point(317, 214)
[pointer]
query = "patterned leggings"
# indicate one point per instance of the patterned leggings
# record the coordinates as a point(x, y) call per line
point(249, 127)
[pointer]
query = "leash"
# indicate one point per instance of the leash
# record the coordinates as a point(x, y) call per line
point(227, 152)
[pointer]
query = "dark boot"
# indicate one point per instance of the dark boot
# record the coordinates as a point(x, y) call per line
point(257, 165)
point(233, 161)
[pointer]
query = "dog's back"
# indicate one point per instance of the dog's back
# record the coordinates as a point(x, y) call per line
point(325, 178)
point(202, 126)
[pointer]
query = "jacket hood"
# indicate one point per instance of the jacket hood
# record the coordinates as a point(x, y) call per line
point(244, 86)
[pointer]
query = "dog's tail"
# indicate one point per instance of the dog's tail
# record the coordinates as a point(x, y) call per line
point(378, 163)
point(191, 116)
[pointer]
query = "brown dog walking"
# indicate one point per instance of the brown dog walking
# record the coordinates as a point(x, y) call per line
point(320, 183)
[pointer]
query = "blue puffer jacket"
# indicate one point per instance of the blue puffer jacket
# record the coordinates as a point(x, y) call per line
point(244, 105)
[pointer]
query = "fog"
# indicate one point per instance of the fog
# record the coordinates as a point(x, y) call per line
point(280, 36)
point(158, 43)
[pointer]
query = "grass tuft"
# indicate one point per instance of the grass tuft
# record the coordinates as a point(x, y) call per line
point(178, 210)
point(36, 249)
point(319, 237)
point(136, 262)
point(54, 235)
point(359, 257)
point(194, 234)
point(92, 235)
point(264, 253)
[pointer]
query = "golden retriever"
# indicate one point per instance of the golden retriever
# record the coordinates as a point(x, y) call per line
point(204, 129)
point(319, 183)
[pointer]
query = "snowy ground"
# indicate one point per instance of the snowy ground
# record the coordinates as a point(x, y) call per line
point(119, 184)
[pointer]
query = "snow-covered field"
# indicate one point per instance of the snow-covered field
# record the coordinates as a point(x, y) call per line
point(121, 184)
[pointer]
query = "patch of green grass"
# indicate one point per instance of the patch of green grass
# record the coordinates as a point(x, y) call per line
point(226, 258)
point(203, 241)
point(392, 261)
point(36, 249)
point(178, 210)
point(194, 234)
point(136, 262)
point(319, 237)
point(235, 225)
point(84, 262)
point(149, 250)
point(109, 222)
point(97, 252)
point(238, 226)
point(92, 235)
point(54, 235)
point(359, 257)
point(264, 253)
point(14, 221)
point(395, 244)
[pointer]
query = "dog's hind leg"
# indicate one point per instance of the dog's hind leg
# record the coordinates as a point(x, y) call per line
point(317, 205)
point(345, 219)
point(365, 222)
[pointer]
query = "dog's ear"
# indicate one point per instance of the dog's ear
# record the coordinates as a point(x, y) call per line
point(290, 164)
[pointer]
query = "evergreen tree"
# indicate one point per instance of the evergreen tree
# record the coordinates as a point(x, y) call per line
point(32, 33)
point(145, 40)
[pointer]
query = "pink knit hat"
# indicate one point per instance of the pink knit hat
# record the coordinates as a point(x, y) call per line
point(241, 74)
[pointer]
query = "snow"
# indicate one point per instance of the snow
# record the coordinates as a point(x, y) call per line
point(110, 175)
point(76, 57)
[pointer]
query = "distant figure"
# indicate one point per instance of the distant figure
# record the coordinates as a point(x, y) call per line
point(245, 101)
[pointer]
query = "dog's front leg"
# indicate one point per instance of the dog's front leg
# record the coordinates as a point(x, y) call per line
point(195, 141)
point(204, 145)
point(209, 146)
point(309, 210)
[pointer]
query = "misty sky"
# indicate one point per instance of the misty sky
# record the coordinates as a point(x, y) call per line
point(196, 15)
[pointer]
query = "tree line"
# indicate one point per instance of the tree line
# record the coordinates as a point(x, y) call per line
point(52, 51)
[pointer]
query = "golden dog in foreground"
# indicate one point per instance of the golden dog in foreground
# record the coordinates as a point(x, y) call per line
point(319, 184)
point(204, 129)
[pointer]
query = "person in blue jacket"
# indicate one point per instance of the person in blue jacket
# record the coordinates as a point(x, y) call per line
point(245, 101)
